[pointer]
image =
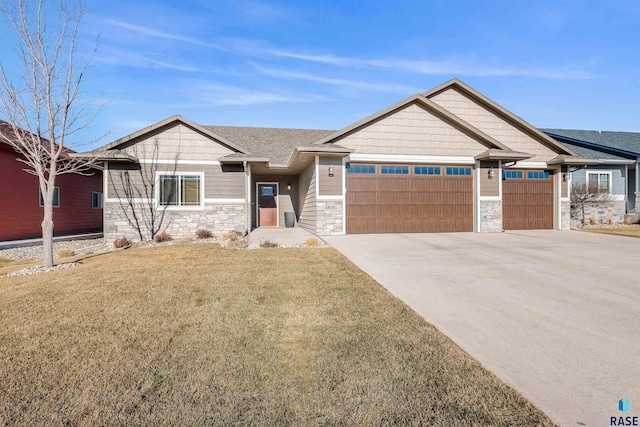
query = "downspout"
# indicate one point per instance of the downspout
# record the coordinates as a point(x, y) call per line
point(247, 199)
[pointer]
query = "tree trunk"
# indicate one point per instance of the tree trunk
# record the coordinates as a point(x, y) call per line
point(47, 231)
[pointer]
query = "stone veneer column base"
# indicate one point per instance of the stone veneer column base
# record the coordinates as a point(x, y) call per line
point(490, 216)
point(217, 218)
point(329, 217)
point(565, 211)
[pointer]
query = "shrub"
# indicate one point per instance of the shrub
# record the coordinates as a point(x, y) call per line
point(162, 237)
point(122, 242)
point(268, 244)
point(311, 241)
point(627, 220)
point(237, 244)
point(204, 234)
point(231, 235)
point(610, 221)
point(64, 253)
point(592, 221)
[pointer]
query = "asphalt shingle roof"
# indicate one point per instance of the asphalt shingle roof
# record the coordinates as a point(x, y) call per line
point(628, 141)
point(592, 154)
point(274, 143)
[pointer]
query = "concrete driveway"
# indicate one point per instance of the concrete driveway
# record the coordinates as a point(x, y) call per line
point(554, 314)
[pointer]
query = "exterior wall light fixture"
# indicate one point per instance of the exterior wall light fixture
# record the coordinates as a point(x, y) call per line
point(331, 169)
point(491, 173)
point(288, 186)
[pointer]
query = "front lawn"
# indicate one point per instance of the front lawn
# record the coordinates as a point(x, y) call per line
point(199, 335)
point(626, 230)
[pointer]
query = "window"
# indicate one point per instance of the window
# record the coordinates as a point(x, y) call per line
point(361, 169)
point(426, 170)
point(56, 198)
point(179, 190)
point(96, 200)
point(511, 174)
point(599, 182)
point(459, 171)
point(395, 170)
point(538, 175)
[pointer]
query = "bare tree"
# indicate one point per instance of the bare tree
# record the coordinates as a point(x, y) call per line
point(136, 187)
point(584, 195)
point(44, 105)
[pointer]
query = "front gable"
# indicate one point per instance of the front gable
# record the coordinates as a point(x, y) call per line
point(514, 135)
point(412, 130)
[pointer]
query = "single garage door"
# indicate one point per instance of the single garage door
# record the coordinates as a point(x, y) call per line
point(527, 199)
point(409, 198)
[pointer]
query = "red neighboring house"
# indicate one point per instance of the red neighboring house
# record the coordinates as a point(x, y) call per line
point(79, 200)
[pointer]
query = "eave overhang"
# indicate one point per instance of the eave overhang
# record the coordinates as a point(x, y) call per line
point(498, 154)
point(565, 160)
point(105, 156)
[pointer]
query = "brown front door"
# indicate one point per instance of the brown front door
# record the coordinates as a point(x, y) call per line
point(267, 207)
point(527, 199)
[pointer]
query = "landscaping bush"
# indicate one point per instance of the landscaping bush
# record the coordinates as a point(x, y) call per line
point(312, 241)
point(162, 237)
point(122, 242)
point(204, 234)
point(268, 244)
point(64, 253)
point(237, 244)
point(231, 235)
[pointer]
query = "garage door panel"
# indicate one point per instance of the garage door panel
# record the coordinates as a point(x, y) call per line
point(409, 203)
point(527, 203)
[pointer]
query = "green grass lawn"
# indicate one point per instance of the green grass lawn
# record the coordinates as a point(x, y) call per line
point(199, 335)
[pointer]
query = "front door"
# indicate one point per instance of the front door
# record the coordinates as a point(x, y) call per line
point(267, 206)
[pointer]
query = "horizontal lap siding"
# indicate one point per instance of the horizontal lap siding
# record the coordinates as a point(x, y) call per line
point(527, 203)
point(307, 197)
point(407, 203)
point(21, 215)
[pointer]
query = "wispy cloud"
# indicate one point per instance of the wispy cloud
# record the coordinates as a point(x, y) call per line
point(160, 34)
point(119, 57)
point(219, 95)
point(443, 67)
point(349, 84)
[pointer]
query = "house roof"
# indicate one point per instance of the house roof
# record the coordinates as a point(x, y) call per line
point(590, 153)
point(275, 144)
point(622, 143)
point(501, 112)
point(7, 134)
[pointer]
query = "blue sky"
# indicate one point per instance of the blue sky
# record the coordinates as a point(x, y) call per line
point(327, 64)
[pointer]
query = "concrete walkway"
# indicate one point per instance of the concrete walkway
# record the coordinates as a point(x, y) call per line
point(293, 236)
point(554, 314)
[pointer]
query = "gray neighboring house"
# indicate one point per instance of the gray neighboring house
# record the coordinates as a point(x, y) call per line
point(618, 156)
point(449, 159)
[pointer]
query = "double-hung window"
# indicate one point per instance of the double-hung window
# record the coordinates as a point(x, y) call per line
point(599, 182)
point(56, 197)
point(180, 190)
point(96, 200)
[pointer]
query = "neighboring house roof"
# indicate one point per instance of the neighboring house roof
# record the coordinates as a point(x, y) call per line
point(600, 143)
point(500, 111)
point(275, 144)
point(7, 134)
point(590, 153)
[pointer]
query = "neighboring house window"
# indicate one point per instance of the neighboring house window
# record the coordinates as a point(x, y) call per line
point(395, 170)
point(538, 175)
point(56, 198)
point(96, 200)
point(361, 169)
point(459, 171)
point(426, 170)
point(512, 175)
point(599, 182)
point(180, 190)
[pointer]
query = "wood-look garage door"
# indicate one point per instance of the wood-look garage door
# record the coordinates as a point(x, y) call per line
point(527, 200)
point(408, 199)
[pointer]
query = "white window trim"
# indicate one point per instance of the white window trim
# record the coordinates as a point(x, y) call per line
point(199, 207)
point(101, 200)
point(601, 172)
point(41, 198)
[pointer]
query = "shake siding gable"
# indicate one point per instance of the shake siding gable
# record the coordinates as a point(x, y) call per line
point(178, 140)
point(493, 125)
point(412, 131)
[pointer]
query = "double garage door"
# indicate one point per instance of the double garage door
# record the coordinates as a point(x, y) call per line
point(438, 198)
point(409, 199)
